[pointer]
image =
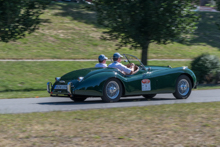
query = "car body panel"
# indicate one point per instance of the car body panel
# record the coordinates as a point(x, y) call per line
point(146, 80)
point(163, 80)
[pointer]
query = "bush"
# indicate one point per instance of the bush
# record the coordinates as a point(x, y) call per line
point(206, 68)
point(218, 5)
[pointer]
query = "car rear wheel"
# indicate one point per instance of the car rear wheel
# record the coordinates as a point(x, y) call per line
point(78, 98)
point(112, 91)
point(147, 96)
point(183, 87)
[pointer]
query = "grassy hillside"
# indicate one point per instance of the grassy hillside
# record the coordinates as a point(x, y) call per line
point(71, 32)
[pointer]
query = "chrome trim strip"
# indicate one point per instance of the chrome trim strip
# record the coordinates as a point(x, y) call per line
point(49, 86)
point(69, 87)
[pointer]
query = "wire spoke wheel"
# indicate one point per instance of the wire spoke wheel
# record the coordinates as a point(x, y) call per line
point(183, 87)
point(112, 90)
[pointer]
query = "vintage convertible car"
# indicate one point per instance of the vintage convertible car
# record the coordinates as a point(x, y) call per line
point(111, 84)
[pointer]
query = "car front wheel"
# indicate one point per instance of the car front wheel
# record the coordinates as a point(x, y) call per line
point(112, 91)
point(183, 87)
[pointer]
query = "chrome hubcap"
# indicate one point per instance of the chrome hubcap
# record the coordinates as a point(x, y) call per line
point(183, 87)
point(112, 89)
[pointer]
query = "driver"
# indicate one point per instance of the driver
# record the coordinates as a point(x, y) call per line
point(116, 64)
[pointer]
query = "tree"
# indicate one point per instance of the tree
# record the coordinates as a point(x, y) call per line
point(19, 16)
point(217, 4)
point(140, 22)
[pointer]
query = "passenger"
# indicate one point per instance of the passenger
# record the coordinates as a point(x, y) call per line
point(116, 64)
point(102, 61)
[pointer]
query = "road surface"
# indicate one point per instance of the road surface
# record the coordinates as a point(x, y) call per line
point(29, 105)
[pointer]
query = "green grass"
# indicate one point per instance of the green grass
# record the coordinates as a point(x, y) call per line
point(207, 87)
point(194, 124)
point(71, 32)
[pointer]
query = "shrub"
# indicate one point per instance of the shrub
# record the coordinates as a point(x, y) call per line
point(205, 67)
point(218, 5)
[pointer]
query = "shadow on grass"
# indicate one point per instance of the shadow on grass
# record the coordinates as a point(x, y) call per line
point(207, 32)
point(45, 21)
point(78, 12)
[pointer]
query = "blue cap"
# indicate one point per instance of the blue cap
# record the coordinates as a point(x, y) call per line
point(117, 55)
point(102, 57)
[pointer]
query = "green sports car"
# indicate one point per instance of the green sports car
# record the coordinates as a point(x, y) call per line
point(111, 84)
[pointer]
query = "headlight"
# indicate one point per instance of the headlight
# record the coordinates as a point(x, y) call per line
point(80, 79)
point(57, 78)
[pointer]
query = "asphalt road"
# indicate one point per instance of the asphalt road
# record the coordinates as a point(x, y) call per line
point(47, 104)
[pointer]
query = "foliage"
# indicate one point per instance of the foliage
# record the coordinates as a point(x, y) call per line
point(19, 16)
point(204, 66)
point(79, 38)
point(218, 4)
point(218, 8)
point(140, 22)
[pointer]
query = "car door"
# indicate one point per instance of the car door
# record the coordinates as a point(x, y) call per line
point(140, 83)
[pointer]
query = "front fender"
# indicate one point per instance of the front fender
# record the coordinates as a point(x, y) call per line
point(185, 70)
point(193, 76)
point(93, 85)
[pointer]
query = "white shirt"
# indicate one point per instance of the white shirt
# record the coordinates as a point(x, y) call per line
point(101, 65)
point(120, 67)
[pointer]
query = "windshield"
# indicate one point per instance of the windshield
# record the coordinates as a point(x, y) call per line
point(127, 59)
point(135, 60)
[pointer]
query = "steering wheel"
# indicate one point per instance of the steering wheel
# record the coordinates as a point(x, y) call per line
point(129, 65)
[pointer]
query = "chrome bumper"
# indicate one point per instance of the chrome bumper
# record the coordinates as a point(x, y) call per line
point(49, 86)
point(69, 85)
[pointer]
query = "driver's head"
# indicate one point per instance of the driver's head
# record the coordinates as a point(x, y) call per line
point(102, 58)
point(117, 57)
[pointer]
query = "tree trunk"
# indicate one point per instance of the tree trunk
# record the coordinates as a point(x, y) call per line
point(145, 53)
point(203, 2)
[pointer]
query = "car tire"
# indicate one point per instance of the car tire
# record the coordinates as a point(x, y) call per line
point(112, 91)
point(78, 98)
point(149, 96)
point(183, 87)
